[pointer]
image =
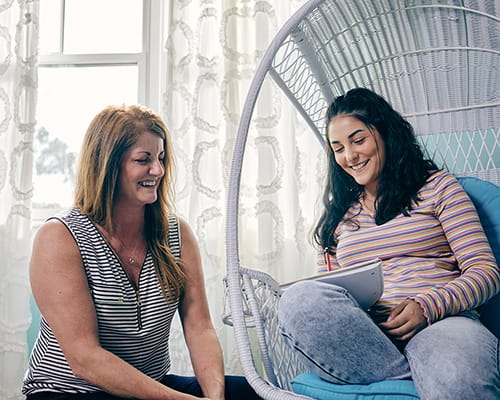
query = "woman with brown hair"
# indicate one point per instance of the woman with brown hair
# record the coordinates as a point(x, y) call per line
point(109, 275)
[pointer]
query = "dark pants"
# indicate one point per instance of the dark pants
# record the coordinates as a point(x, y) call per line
point(237, 388)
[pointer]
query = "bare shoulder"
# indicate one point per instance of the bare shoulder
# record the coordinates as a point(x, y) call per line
point(188, 238)
point(190, 252)
point(185, 230)
point(52, 227)
point(54, 235)
point(54, 248)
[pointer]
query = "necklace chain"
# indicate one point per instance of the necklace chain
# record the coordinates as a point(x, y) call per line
point(116, 243)
point(366, 203)
point(131, 257)
point(131, 254)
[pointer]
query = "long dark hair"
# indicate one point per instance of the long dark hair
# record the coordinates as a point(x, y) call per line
point(403, 174)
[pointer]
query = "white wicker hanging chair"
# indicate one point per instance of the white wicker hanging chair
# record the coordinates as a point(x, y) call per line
point(436, 62)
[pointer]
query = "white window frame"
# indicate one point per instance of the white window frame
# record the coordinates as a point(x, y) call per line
point(149, 61)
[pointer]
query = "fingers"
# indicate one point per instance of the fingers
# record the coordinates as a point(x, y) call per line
point(398, 316)
point(404, 321)
point(396, 311)
point(403, 332)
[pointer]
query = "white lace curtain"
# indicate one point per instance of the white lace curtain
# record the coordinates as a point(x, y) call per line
point(18, 45)
point(211, 50)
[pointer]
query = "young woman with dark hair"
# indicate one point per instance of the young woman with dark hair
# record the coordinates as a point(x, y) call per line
point(383, 199)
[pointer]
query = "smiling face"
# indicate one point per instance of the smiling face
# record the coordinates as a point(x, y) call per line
point(358, 150)
point(142, 169)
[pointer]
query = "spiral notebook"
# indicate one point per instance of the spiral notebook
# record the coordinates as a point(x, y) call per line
point(364, 281)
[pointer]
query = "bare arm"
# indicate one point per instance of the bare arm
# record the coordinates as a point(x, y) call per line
point(201, 339)
point(61, 291)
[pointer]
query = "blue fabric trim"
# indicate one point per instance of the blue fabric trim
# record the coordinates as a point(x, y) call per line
point(486, 198)
point(311, 385)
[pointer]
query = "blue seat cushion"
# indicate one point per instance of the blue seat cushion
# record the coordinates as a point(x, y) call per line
point(312, 385)
point(486, 199)
point(32, 332)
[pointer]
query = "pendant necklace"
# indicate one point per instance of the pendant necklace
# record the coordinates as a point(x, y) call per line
point(121, 249)
point(131, 257)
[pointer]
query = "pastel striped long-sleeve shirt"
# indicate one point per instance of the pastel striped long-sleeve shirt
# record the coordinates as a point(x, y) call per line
point(439, 255)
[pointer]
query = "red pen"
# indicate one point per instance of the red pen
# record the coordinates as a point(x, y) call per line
point(327, 259)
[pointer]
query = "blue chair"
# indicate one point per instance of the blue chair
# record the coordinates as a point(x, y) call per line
point(486, 198)
point(32, 332)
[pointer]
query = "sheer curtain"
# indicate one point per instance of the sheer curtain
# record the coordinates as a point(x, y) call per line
point(18, 37)
point(211, 52)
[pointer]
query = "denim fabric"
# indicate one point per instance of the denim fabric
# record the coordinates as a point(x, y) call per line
point(456, 358)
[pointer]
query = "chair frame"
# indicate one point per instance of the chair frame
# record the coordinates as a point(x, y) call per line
point(250, 294)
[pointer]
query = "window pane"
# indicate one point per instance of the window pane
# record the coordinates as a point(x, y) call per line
point(97, 26)
point(50, 26)
point(68, 98)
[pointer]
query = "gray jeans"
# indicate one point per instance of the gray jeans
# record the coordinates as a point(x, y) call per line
point(455, 358)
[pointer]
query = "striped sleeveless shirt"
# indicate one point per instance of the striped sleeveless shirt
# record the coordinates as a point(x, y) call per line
point(133, 325)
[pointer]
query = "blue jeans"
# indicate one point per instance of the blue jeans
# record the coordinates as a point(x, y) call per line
point(455, 358)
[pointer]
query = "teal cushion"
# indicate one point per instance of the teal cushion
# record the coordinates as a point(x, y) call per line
point(32, 332)
point(486, 199)
point(312, 385)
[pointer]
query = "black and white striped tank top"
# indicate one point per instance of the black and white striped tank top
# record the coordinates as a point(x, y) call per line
point(133, 325)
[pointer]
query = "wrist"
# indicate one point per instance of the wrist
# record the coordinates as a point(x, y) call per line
point(215, 395)
point(423, 308)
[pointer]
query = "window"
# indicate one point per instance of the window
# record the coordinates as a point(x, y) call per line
point(92, 53)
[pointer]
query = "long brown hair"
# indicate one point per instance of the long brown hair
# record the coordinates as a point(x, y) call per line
point(110, 134)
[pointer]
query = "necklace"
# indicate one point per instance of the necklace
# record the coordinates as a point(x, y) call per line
point(367, 203)
point(131, 256)
point(128, 255)
point(121, 250)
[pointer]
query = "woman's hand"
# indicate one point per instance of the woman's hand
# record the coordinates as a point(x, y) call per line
point(404, 321)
